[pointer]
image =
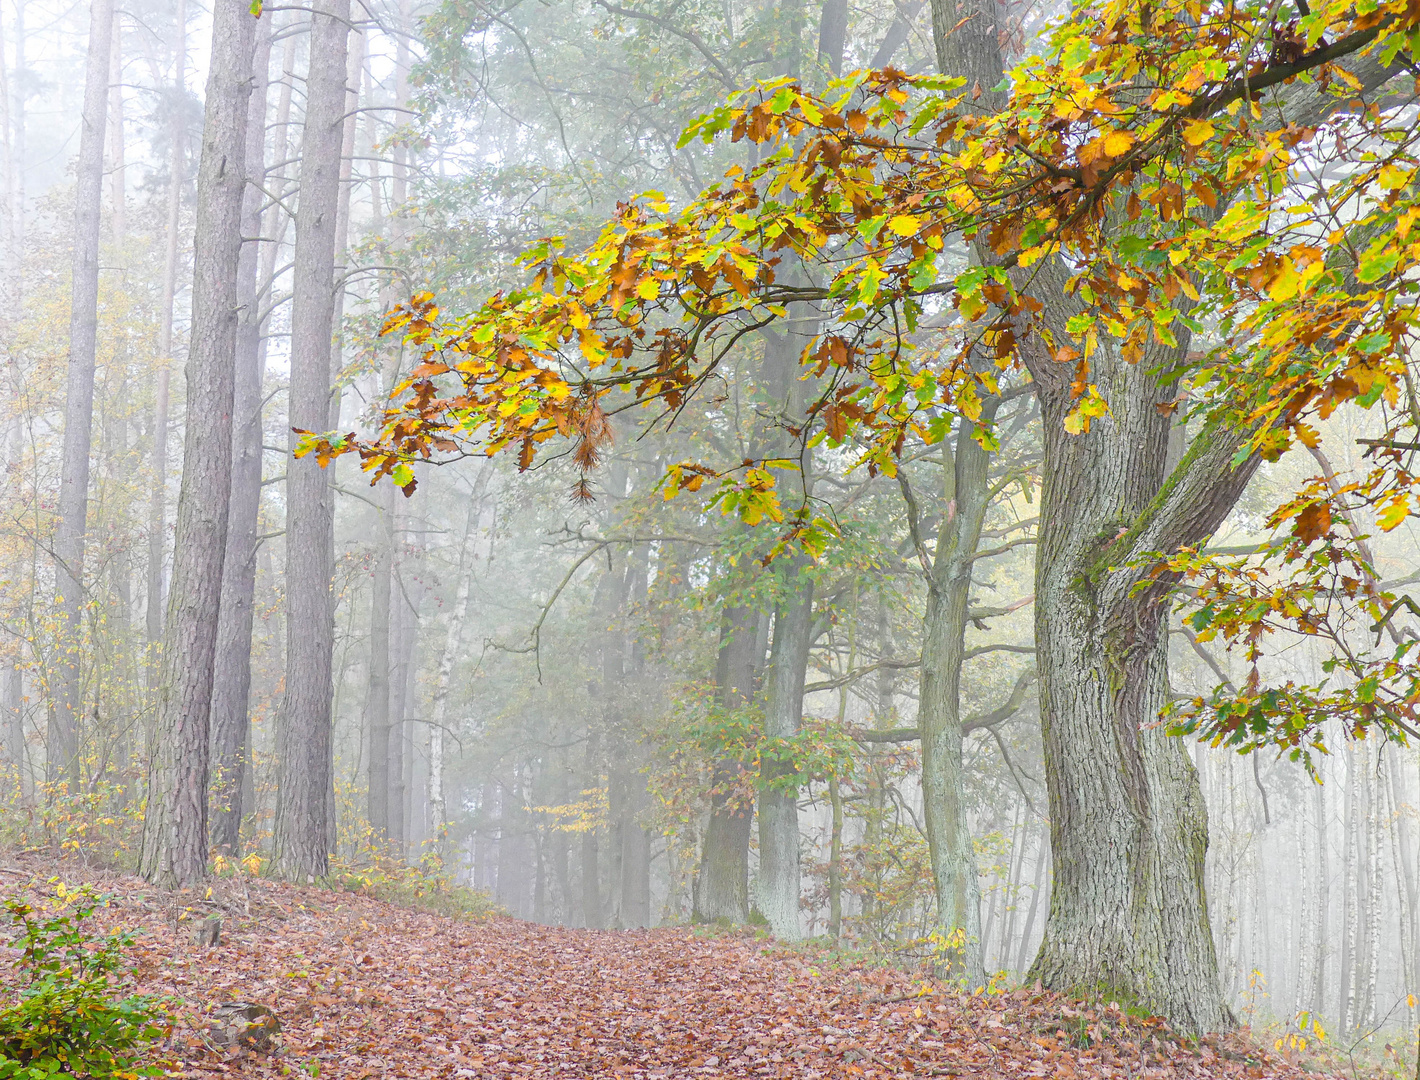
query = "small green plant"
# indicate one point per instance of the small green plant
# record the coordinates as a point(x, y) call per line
point(68, 1020)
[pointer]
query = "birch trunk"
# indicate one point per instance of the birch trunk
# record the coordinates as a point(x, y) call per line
point(62, 740)
point(231, 680)
point(302, 832)
point(1322, 869)
point(452, 642)
point(1350, 895)
point(175, 827)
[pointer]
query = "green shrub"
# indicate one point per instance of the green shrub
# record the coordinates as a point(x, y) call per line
point(375, 873)
point(69, 1021)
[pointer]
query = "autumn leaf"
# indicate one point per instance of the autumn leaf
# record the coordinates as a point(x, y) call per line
point(1313, 522)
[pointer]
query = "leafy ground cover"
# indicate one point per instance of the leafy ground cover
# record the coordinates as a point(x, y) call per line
point(365, 988)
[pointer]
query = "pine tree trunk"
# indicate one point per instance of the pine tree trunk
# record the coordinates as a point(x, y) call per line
point(157, 506)
point(175, 827)
point(231, 679)
point(721, 890)
point(302, 833)
point(777, 894)
point(62, 740)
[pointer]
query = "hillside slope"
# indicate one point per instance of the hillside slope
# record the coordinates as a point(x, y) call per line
point(368, 989)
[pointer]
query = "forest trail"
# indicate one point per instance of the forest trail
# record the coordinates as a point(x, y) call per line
point(364, 988)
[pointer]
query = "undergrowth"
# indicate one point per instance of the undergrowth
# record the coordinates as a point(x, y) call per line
point(70, 1017)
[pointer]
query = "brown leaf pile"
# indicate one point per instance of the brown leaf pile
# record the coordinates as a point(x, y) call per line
point(367, 989)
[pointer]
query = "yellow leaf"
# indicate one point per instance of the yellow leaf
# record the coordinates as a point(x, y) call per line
point(1393, 178)
point(1117, 143)
point(1198, 133)
point(1285, 282)
point(1075, 423)
point(904, 225)
point(648, 288)
point(1394, 514)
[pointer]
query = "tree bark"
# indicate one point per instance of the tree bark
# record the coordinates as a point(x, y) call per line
point(157, 506)
point(721, 891)
point(954, 872)
point(777, 895)
point(175, 826)
point(440, 705)
point(231, 679)
point(833, 34)
point(304, 736)
point(377, 698)
point(62, 741)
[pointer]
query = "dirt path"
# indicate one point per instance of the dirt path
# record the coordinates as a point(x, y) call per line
point(366, 989)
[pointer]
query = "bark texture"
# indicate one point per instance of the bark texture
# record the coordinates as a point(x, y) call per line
point(304, 736)
point(954, 871)
point(231, 680)
point(721, 892)
point(377, 697)
point(157, 506)
point(175, 826)
point(777, 894)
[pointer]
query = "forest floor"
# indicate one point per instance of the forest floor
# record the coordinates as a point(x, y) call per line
point(364, 988)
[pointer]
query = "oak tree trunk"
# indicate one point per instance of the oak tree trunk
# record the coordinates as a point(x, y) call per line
point(777, 892)
point(721, 891)
point(954, 871)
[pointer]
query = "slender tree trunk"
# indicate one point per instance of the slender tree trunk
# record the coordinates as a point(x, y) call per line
point(777, 894)
point(118, 217)
point(954, 871)
point(593, 913)
point(1371, 823)
point(1042, 868)
point(377, 699)
point(17, 150)
point(157, 508)
point(1350, 899)
point(62, 742)
point(175, 827)
point(1015, 886)
point(7, 183)
point(452, 642)
point(231, 680)
point(1322, 869)
point(721, 892)
point(404, 633)
point(12, 703)
point(304, 738)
